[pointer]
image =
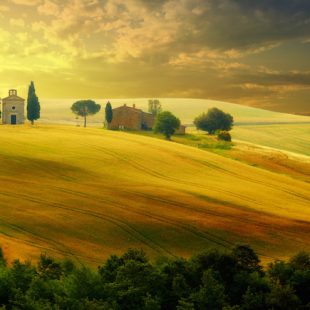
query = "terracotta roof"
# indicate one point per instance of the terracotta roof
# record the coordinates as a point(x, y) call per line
point(128, 107)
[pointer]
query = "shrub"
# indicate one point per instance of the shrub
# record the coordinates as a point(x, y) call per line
point(224, 135)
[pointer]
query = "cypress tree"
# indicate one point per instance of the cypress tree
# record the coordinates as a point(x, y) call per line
point(33, 104)
point(108, 113)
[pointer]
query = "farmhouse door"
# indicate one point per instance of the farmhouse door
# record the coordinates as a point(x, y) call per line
point(13, 119)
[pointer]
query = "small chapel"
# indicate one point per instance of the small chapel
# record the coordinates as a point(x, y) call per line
point(13, 109)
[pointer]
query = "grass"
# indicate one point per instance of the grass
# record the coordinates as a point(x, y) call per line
point(198, 140)
point(252, 154)
point(289, 137)
point(87, 193)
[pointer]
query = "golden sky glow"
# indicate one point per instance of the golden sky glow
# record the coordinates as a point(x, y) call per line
point(251, 52)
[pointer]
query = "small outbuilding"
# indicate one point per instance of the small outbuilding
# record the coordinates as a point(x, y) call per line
point(181, 130)
point(13, 109)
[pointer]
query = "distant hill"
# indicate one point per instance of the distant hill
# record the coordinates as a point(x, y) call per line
point(87, 193)
point(272, 129)
point(303, 113)
point(58, 110)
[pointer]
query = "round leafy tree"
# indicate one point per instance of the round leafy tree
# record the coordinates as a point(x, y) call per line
point(214, 120)
point(84, 108)
point(166, 123)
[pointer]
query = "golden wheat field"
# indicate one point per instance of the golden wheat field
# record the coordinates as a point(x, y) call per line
point(86, 193)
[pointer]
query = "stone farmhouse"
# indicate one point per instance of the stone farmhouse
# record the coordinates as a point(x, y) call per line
point(131, 118)
point(13, 108)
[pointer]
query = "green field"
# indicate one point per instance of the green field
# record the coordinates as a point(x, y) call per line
point(87, 193)
point(272, 129)
point(289, 137)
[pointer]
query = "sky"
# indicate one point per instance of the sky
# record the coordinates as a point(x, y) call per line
point(251, 52)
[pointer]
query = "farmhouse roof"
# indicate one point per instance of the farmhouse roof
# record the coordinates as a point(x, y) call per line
point(133, 108)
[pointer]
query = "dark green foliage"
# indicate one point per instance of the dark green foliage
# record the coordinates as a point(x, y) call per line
point(224, 135)
point(33, 104)
point(108, 113)
point(232, 280)
point(166, 123)
point(84, 108)
point(5, 286)
point(223, 263)
point(246, 258)
point(280, 272)
point(48, 268)
point(293, 276)
point(83, 283)
point(283, 298)
point(211, 294)
point(154, 106)
point(214, 120)
point(300, 261)
point(2, 259)
point(67, 266)
point(21, 275)
point(185, 305)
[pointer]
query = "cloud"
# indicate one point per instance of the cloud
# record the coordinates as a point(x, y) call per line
point(222, 49)
point(267, 77)
point(49, 8)
point(4, 8)
point(18, 22)
point(26, 2)
point(163, 29)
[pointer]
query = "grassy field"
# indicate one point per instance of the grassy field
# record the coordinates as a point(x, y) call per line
point(288, 137)
point(272, 159)
point(87, 193)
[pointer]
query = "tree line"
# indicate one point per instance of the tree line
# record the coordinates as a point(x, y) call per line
point(214, 121)
point(213, 279)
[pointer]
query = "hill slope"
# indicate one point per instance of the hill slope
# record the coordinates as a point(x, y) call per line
point(288, 137)
point(88, 193)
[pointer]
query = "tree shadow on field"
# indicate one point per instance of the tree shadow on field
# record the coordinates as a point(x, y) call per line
point(36, 168)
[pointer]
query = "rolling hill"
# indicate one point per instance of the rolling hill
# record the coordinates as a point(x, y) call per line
point(87, 193)
point(272, 129)
point(58, 111)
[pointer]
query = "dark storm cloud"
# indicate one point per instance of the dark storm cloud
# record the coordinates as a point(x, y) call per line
point(153, 4)
point(244, 24)
point(274, 78)
point(245, 51)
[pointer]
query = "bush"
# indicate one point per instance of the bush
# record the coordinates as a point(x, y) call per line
point(224, 135)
